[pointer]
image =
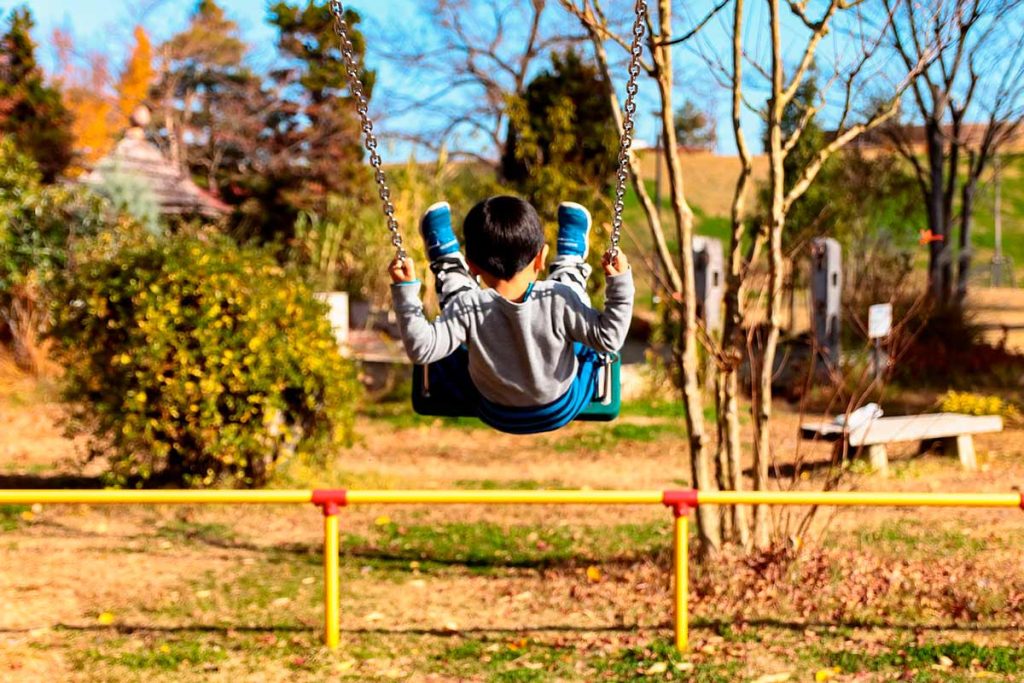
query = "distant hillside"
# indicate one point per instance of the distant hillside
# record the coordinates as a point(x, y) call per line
point(710, 179)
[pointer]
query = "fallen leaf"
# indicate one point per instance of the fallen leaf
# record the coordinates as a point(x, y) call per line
point(826, 674)
point(105, 619)
point(593, 574)
point(383, 520)
point(656, 668)
point(774, 678)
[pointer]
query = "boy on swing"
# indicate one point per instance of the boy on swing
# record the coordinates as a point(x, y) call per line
point(532, 343)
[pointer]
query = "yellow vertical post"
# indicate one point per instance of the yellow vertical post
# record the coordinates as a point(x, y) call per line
point(682, 578)
point(332, 612)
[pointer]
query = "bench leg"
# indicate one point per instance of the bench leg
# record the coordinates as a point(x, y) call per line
point(962, 447)
point(879, 459)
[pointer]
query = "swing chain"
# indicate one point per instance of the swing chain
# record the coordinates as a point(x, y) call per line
point(636, 50)
point(341, 29)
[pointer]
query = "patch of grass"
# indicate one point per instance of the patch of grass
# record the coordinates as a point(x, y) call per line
point(171, 655)
point(515, 660)
point(281, 590)
point(400, 415)
point(510, 484)
point(643, 664)
point(606, 437)
point(994, 659)
point(732, 635)
point(718, 227)
point(897, 537)
point(210, 533)
point(666, 409)
point(653, 408)
point(11, 516)
point(485, 545)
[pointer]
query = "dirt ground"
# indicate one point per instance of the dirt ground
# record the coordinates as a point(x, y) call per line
point(160, 593)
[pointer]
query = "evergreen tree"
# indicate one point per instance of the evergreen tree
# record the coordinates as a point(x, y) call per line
point(561, 135)
point(31, 112)
point(695, 128)
point(318, 116)
point(202, 66)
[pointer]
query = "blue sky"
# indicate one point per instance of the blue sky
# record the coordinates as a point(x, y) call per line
point(107, 25)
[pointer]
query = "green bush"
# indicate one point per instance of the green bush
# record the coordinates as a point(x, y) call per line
point(39, 228)
point(194, 362)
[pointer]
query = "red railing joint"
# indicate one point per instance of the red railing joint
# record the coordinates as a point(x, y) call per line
point(680, 500)
point(330, 500)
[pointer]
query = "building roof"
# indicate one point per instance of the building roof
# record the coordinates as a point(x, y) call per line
point(174, 192)
point(913, 136)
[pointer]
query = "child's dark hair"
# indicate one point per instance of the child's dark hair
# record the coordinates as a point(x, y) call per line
point(503, 234)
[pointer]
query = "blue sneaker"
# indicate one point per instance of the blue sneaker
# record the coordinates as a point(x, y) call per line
point(574, 223)
point(438, 235)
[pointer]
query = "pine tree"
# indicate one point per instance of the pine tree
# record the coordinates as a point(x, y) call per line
point(695, 128)
point(136, 78)
point(318, 116)
point(31, 112)
point(562, 140)
point(200, 67)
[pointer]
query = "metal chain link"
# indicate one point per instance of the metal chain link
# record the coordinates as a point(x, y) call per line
point(355, 84)
point(628, 123)
point(370, 139)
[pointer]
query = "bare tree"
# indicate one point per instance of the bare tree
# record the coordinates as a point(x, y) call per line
point(977, 73)
point(849, 71)
point(849, 77)
point(679, 267)
point(477, 55)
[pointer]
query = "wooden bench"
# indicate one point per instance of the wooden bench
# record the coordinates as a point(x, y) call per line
point(953, 429)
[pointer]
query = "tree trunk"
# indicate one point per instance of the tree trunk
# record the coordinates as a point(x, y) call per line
point(700, 464)
point(937, 251)
point(733, 339)
point(766, 353)
point(725, 517)
point(23, 322)
point(968, 192)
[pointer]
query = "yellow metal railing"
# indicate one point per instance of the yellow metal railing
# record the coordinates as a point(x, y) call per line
point(331, 501)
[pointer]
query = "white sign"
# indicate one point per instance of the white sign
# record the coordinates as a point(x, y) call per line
point(879, 321)
point(338, 313)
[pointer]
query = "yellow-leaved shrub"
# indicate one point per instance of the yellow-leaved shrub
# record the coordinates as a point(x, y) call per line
point(193, 361)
